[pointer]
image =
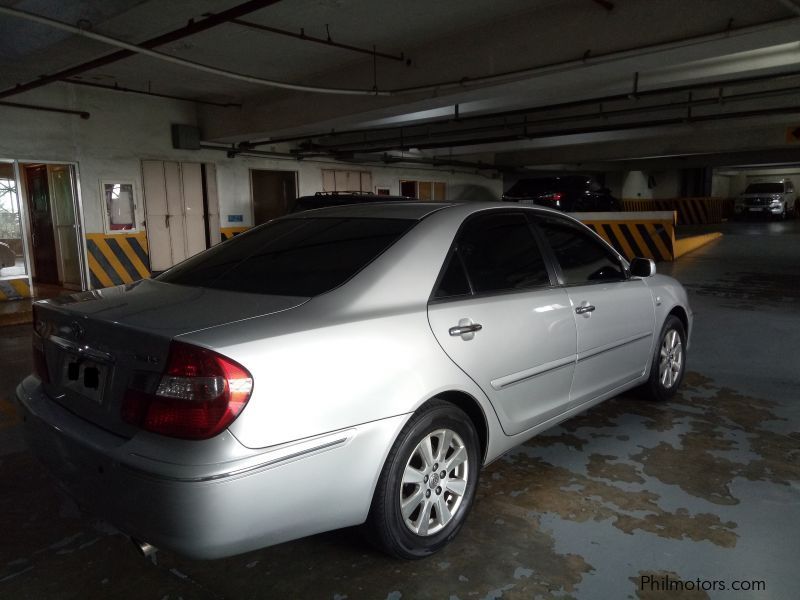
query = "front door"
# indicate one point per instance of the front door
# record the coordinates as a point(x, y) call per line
point(497, 316)
point(43, 242)
point(614, 313)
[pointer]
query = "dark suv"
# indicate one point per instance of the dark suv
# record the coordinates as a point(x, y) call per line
point(570, 193)
point(323, 199)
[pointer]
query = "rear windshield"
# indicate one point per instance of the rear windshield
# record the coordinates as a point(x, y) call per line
point(530, 187)
point(764, 188)
point(291, 257)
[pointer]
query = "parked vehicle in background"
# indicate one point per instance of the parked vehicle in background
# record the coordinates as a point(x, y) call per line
point(344, 366)
point(324, 199)
point(569, 193)
point(776, 199)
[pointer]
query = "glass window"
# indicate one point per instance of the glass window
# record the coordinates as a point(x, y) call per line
point(120, 206)
point(764, 188)
point(291, 257)
point(500, 253)
point(454, 280)
point(12, 262)
point(583, 258)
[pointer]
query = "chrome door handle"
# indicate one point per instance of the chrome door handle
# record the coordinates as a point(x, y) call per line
point(583, 309)
point(462, 329)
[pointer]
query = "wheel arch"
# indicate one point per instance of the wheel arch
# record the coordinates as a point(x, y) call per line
point(680, 312)
point(473, 410)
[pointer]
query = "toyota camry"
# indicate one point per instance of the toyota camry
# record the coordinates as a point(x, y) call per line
point(352, 365)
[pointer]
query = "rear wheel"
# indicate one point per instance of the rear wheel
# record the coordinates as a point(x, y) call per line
point(427, 484)
point(669, 362)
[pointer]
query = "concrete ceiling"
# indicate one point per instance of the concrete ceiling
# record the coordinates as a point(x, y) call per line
point(481, 57)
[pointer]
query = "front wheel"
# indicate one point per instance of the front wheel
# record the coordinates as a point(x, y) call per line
point(669, 361)
point(428, 483)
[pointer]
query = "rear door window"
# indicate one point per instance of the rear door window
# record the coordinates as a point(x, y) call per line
point(582, 257)
point(500, 253)
point(291, 257)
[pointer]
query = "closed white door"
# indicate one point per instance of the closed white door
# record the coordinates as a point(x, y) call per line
point(175, 215)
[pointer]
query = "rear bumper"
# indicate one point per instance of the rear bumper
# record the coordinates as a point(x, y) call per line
point(202, 511)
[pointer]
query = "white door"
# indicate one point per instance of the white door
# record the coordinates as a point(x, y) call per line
point(175, 216)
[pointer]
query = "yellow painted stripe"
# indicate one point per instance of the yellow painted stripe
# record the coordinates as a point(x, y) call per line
point(641, 243)
point(98, 271)
point(665, 252)
point(133, 257)
point(21, 286)
point(113, 261)
point(616, 228)
point(142, 239)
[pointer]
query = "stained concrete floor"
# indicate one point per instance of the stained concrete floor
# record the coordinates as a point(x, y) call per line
point(703, 489)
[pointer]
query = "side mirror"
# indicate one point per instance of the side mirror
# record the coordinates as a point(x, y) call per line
point(643, 267)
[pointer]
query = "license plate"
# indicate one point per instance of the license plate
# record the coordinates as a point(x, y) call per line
point(759, 209)
point(84, 377)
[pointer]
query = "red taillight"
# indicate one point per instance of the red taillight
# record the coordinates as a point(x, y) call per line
point(199, 395)
point(553, 197)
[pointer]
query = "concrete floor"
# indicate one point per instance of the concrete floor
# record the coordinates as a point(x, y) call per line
point(706, 487)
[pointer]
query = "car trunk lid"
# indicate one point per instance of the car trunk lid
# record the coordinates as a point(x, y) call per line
point(99, 344)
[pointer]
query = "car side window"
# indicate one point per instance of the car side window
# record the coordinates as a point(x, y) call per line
point(454, 280)
point(583, 258)
point(500, 253)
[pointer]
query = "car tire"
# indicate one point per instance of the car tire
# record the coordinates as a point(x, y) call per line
point(416, 510)
point(669, 362)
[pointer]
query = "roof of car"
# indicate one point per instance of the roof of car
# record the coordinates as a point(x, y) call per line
point(381, 210)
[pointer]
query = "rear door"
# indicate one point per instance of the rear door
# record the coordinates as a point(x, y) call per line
point(613, 312)
point(497, 315)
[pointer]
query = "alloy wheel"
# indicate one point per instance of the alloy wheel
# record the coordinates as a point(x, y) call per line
point(434, 482)
point(671, 359)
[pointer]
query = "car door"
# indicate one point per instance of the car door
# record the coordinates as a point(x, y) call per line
point(498, 316)
point(613, 312)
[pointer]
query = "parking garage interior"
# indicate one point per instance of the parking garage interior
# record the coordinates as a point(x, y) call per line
point(135, 134)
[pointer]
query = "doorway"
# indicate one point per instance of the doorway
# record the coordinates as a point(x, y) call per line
point(273, 193)
point(54, 224)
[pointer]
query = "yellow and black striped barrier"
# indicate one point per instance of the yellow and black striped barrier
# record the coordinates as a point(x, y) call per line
point(691, 211)
point(14, 289)
point(228, 232)
point(644, 234)
point(117, 259)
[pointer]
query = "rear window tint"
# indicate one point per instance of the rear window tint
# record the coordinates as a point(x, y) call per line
point(291, 257)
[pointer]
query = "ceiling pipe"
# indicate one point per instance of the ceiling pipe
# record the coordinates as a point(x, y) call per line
point(272, 83)
point(192, 28)
point(717, 84)
point(119, 88)
point(325, 41)
point(411, 139)
point(64, 111)
point(521, 135)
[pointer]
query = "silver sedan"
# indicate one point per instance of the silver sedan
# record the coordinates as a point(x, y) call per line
point(342, 366)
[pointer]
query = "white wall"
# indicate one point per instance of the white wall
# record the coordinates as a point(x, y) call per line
point(126, 128)
point(651, 184)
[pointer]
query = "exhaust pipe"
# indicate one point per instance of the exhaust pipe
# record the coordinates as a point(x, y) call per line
point(145, 549)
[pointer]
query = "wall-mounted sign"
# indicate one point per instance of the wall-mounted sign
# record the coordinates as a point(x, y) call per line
point(235, 218)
